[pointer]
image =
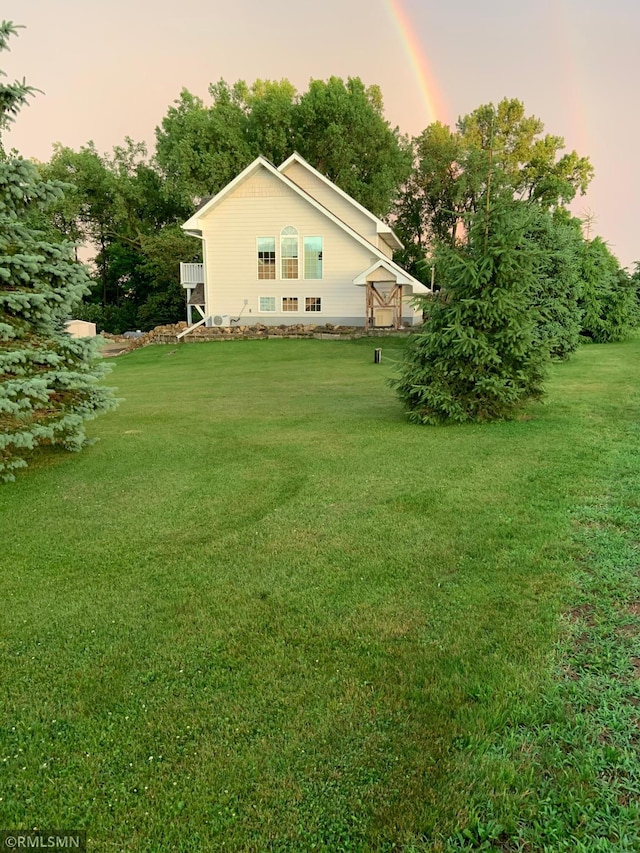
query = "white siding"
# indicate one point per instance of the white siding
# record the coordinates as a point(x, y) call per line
point(230, 231)
point(261, 185)
point(80, 329)
point(338, 205)
point(411, 315)
point(333, 201)
point(384, 247)
point(381, 274)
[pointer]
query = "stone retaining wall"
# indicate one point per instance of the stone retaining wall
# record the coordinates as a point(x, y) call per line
point(203, 334)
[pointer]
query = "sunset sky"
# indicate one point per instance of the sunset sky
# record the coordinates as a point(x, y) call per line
point(110, 70)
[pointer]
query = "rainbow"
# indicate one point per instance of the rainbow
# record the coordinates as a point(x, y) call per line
point(574, 56)
point(433, 101)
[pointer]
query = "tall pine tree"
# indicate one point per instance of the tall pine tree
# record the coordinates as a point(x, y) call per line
point(49, 382)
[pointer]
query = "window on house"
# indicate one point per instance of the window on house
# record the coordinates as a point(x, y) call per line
point(266, 257)
point(313, 257)
point(289, 303)
point(267, 303)
point(313, 303)
point(289, 252)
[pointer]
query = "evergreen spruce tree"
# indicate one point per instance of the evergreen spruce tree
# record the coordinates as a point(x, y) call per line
point(609, 300)
point(478, 355)
point(557, 292)
point(49, 382)
point(635, 285)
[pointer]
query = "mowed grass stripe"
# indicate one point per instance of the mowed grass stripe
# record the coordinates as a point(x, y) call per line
point(264, 612)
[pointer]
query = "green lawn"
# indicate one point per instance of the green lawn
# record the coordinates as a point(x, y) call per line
point(263, 612)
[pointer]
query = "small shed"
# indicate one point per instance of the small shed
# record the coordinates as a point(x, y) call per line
point(81, 329)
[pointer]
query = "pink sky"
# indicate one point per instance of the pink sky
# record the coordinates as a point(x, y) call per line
point(109, 70)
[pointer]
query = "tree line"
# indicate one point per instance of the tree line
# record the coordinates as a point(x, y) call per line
point(129, 205)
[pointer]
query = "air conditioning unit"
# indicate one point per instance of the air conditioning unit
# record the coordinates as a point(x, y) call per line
point(219, 320)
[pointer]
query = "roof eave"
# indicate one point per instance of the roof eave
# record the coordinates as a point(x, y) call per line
point(381, 227)
point(390, 238)
point(402, 276)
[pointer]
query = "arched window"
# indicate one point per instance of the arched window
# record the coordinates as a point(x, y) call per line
point(289, 252)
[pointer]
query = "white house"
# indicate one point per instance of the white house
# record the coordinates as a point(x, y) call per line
point(286, 245)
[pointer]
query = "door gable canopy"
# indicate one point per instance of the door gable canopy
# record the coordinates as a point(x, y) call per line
point(382, 270)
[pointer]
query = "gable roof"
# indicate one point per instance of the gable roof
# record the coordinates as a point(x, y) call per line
point(192, 225)
point(401, 276)
point(385, 231)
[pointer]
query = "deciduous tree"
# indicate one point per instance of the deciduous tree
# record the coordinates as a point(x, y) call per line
point(341, 130)
point(451, 168)
point(338, 127)
point(121, 207)
point(200, 149)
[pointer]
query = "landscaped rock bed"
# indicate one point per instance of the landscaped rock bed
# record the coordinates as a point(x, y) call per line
point(168, 334)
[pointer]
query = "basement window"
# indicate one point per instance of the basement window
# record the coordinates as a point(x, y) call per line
point(267, 303)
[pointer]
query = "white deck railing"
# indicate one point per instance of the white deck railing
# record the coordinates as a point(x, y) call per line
point(191, 274)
